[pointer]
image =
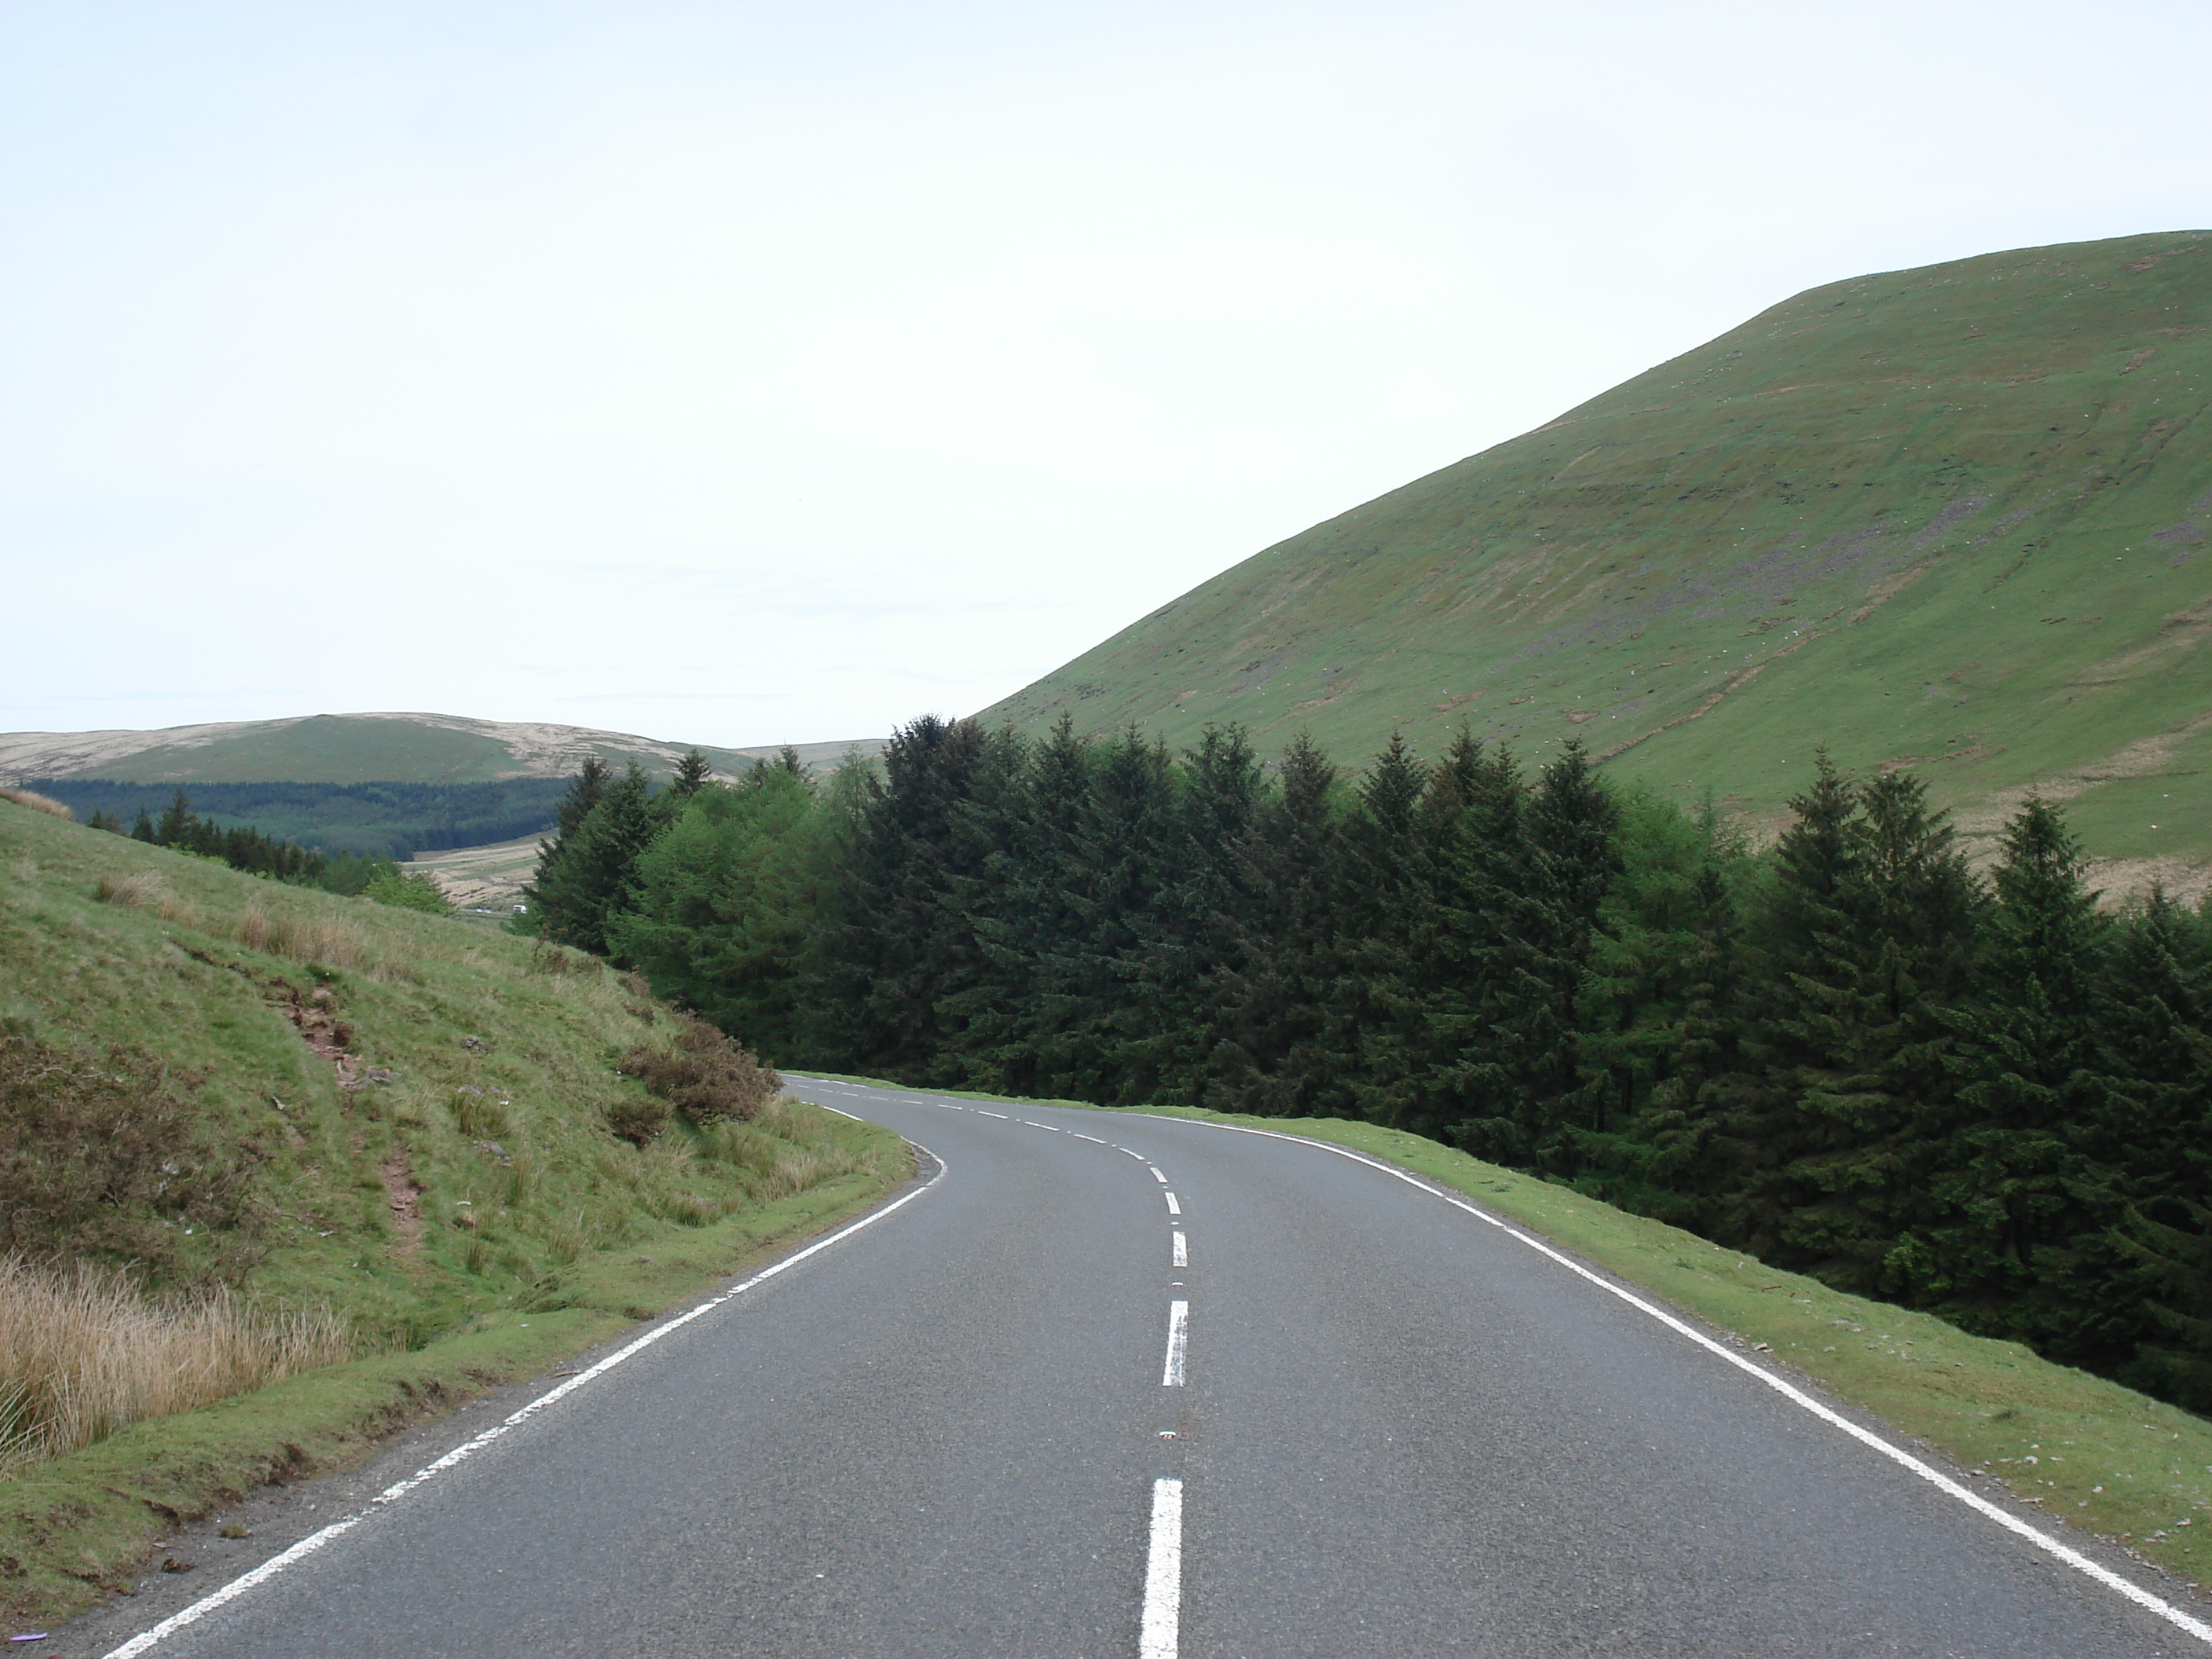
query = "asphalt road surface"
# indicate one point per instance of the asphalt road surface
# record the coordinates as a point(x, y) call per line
point(1118, 1385)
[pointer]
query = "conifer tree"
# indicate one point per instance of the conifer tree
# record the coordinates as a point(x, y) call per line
point(586, 883)
point(1872, 1042)
point(2149, 1147)
point(691, 774)
point(1374, 1003)
point(1537, 1099)
point(897, 951)
point(1190, 940)
point(177, 823)
point(1272, 1052)
point(2008, 1179)
point(1793, 947)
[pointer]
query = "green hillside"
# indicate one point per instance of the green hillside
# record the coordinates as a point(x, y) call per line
point(1953, 518)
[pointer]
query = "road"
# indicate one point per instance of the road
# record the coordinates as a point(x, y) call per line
point(1118, 1385)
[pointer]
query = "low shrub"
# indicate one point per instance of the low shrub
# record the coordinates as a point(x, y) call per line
point(638, 1119)
point(104, 1157)
point(705, 1076)
point(408, 892)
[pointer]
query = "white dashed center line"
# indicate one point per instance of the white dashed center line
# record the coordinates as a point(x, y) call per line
point(1171, 1374)
point(1159, 1633)
point(1181, 1250)
point(1174, 1208)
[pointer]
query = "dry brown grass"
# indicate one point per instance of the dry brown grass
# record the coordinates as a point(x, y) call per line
point(324, 940)
point(37, 802)
point(83, 1351)
point(138, 887)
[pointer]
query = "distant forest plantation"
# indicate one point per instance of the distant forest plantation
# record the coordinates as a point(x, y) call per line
point(373, 820)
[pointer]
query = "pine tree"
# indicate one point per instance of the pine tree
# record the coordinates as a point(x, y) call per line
point(725, 902)
point(177, 824)
point(1190, 939)
point(897, 950)
point(1873, 1044)
point(1793, 942)
point(1552, 878)
point(589, 881)
point(2149, 1146)
point(1374, 1005)
point(2008, 1179)
point(691, 774)
point(1273, 1052)
point(585, 789)
point(1659, 966)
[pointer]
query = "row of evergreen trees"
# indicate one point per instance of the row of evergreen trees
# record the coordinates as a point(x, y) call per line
point(1850, 1054)
point(241, 846)
point(245, 848)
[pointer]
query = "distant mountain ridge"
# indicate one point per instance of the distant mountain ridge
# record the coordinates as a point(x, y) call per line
point(362, 748)
point(1957, 518)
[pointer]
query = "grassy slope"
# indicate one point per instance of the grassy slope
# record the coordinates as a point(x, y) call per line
point(2103, 1457)
point(575, 1234)
point(1954, 517)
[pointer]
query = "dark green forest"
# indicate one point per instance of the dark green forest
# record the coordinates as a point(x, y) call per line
point(1852, 1054)
point(244, 848)
point(388, 821)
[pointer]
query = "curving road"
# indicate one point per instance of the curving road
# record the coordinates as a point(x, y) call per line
point(1115, 1385)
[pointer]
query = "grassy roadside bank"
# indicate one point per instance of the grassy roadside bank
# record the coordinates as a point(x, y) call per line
point(2102, 1457)
point(446, 1145)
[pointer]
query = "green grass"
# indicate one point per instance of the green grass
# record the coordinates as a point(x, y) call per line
point(540, 1233)
point(2007, 617)
point(2104, 1458)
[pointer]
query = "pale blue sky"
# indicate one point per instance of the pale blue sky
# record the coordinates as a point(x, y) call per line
point(752, 373)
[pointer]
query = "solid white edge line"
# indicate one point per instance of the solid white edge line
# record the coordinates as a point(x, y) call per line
point(1172, 1373)
point(2043, 1540)
point(1159, 1632)
point(237, 1587)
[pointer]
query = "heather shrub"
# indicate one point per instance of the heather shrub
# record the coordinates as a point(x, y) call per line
point(705, 1076)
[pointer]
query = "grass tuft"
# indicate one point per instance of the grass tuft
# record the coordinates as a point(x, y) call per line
point(83, 1351)
point(37, 802)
